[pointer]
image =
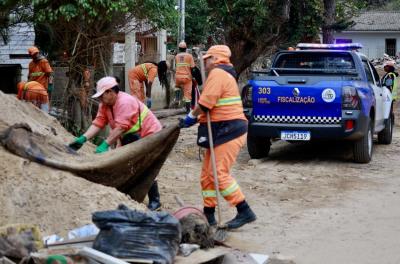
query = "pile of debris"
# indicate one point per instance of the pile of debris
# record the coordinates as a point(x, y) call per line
point(46, 214)
point(380, 62)
point(54, 200)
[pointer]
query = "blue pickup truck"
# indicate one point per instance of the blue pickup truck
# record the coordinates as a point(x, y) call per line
point(318, 92)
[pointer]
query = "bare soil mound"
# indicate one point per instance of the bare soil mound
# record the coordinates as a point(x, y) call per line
point(55, 200)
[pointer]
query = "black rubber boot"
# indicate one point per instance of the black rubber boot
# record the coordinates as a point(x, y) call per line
point(244, 216)
point(187, 107)
point(209, 213)
point(177, 98)
point(154, 198)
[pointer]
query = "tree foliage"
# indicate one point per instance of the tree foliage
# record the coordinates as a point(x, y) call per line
point(197, 22)
point(82, 31)
point(252, 27)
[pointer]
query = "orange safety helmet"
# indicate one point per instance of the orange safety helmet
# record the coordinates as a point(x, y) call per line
point(182, 45)
point(33, 50)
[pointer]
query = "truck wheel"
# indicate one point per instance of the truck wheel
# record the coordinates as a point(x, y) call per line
point(363, 147)
point(385, 136)
point(258, 147)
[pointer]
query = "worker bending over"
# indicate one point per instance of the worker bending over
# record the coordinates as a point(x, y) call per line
point(35, 93)
point(144, 75)
point(129, 120)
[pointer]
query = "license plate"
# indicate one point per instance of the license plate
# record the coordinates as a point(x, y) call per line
point(295, 135)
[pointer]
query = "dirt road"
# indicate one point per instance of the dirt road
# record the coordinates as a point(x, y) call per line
point(312, 201)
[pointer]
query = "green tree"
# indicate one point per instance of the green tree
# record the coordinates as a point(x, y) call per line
point(85, 30)
point(250, 28)
point(197, 22)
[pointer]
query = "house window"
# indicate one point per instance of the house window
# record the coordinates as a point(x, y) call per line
point(342, 41)
point(20, 56)
point(391, 47)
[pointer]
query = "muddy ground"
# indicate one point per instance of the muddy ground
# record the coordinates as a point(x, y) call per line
point(312, 201)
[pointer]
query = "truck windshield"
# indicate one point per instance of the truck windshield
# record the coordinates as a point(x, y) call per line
point(315, 63)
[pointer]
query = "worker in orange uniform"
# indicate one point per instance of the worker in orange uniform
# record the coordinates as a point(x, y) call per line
point(221, 98)
point(184, 64)
point(35, 93)
point(40, 70)
point(144, 75)
point(129, 120)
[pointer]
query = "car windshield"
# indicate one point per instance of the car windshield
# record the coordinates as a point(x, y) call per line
point(315, 62)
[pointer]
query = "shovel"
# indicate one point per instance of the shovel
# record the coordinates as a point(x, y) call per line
point(221, 233)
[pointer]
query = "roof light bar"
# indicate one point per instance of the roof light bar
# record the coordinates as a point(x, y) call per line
point(344, 46)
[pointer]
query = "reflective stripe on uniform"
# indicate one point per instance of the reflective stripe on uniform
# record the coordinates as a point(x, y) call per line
point(394, 86)
point(24, 91)
point(145, 70)
point(182, 64)
point(229, 101)
point(209, 193)
point(138, 124)
point(231, 189)
point(36, 74)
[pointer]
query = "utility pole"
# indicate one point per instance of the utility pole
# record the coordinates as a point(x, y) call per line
point(181, 24)
point(182, 20)
point(130, 51)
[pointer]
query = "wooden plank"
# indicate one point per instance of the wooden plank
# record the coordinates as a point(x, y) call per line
point(136, 260)
point(201, 256)
point(100, 256)
point(5, 260)
point(72, 241)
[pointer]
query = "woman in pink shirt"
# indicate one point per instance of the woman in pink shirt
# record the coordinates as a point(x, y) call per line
point(129, 120)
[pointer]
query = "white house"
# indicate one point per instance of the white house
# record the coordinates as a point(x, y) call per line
point(377, 31)
point(14, 58)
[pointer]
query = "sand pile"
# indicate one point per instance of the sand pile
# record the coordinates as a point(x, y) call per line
point(55, 200)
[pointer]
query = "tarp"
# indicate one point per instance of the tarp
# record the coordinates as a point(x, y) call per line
point(131, 168)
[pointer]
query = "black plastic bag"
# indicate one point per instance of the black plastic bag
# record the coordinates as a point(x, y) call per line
point(128, 233)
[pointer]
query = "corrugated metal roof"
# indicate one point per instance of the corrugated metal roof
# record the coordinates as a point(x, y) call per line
point(376, 21)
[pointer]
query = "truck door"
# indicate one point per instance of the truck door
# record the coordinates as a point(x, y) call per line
point(378, 94)
point(386, 93)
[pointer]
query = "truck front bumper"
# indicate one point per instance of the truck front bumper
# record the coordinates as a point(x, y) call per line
point(318, 131)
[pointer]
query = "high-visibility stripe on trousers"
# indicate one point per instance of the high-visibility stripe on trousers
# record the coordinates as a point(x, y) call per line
point(186, 85)
point(225, 156)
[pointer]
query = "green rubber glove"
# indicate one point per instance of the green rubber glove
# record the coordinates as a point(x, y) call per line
point(78, 143)
point(50, 87)
point(103, 147)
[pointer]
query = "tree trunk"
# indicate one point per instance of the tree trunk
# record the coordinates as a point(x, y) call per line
point(329, 21)
point(247, 45)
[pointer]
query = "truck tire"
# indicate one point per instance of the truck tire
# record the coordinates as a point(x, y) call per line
point(363, 147)
point(258, 147)
point(385, 136)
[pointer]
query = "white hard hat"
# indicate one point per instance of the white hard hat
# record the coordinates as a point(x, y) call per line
point(182, 45)
point(390, 63)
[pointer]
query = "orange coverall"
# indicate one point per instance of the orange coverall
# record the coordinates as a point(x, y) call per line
point(138, 76)
point(221, 95)
point(184, 62)
point(39, 71)
point(33, 92)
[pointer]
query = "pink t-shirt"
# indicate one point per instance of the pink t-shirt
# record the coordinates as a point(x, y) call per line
point(125, 114)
